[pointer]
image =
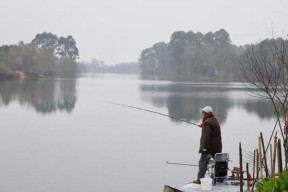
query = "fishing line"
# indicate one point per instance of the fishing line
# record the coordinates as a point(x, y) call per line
point(153, 112)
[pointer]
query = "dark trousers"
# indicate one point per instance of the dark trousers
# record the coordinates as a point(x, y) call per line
point(203, 162)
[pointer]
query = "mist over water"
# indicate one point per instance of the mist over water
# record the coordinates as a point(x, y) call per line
point(64, 135)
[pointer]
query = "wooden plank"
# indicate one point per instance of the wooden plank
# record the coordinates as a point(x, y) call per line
point(170, 189)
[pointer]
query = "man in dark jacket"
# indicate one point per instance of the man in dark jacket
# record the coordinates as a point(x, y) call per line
point(210, 141)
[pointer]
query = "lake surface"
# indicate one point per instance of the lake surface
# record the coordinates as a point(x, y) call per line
point(66, 135)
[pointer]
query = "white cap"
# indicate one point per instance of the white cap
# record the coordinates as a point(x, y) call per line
point(207, 109)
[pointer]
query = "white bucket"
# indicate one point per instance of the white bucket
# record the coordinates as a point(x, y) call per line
point(206, 184)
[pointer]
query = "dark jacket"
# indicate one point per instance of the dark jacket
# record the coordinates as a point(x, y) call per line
point(211, 136)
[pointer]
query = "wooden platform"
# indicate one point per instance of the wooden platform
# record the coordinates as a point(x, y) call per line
point(191, 187)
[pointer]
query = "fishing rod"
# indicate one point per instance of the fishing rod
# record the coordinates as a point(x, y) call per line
point(180, 164)
point(153, 112)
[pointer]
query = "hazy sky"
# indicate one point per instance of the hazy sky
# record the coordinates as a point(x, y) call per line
point(118, 30)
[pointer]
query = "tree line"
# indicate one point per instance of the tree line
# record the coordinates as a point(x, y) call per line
point(190, 55)
point(187, 56)
point(96, 66)
point(47, 55)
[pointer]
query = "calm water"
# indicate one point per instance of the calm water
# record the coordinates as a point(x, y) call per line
point(63, 134)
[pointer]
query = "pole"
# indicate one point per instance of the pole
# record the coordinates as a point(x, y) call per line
point(247, 176)
point(260, 158)
point(253, 178)
point(271, 158)
point(280, 167)
point(241, 168)
point(264, 156)
point(257, 164)
point(274, 156)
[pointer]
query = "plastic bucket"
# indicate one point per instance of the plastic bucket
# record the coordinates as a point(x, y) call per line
point(206, 184)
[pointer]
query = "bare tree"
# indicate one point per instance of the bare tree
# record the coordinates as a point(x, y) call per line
point(264, 69)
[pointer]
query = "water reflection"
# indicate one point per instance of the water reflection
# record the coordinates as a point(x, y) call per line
point(45, 95)
point(185, 100)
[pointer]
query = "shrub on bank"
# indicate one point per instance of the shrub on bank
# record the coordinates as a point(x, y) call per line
point(6, 74)
point(279, 184)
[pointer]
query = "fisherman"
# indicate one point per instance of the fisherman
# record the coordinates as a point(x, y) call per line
point(210, 141)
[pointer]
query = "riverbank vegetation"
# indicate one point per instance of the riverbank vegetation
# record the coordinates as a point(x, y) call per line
point(264, 69)
point(196, 56)
point(45, 55)
point(188, 56)
point(264, 66)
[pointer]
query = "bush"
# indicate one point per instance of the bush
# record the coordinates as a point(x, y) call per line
point(6, 74)
point(279, 184)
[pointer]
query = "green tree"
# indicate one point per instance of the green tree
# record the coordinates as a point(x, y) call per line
point(47, 41)
point(176, 47)
point(222, 38)
point(190, 54)
point(67, 48)
point(155, 60)
point(62, 47)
